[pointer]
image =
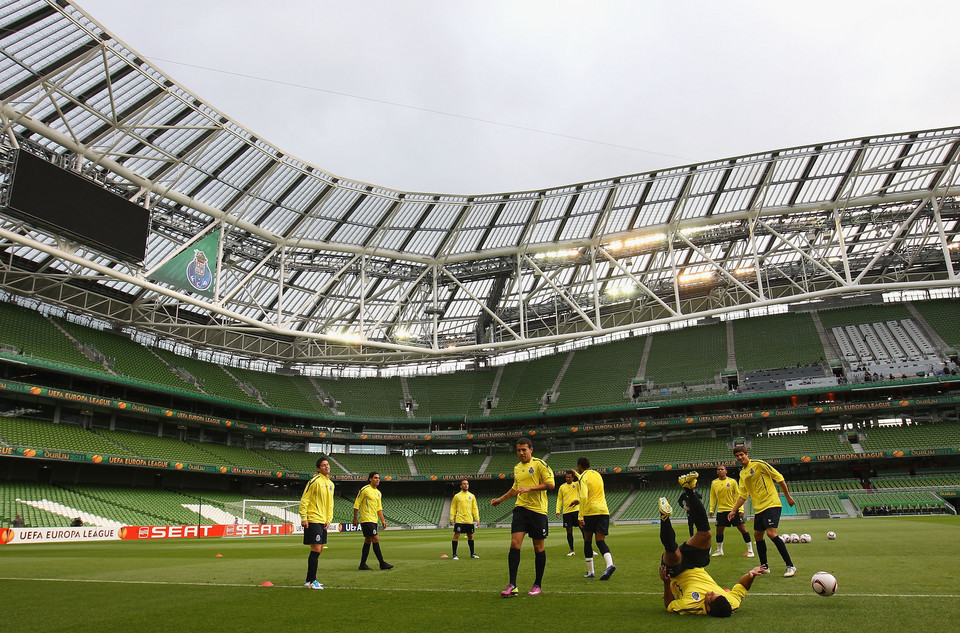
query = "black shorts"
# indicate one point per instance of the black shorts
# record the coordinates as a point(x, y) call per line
point(369, 529)
point(597, 523)
point(690, 557)
point(723, 521)
point(315, 534)
point(571, 520)
point(463, 528)
point(769, 518)
point(530, 522)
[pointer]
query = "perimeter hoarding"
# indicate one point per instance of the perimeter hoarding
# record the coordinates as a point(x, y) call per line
point(27, 535)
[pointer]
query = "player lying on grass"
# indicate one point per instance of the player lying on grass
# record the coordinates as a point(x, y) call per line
point(687, 587)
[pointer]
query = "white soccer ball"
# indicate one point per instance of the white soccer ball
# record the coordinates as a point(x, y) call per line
point(831, 535)
point(824, 583)
point(805, 538)
point(794, 538)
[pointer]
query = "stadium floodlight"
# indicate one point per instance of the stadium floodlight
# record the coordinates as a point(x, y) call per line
point(569, 253)
point(622, 291)
point(348, 336)
point(690, 278)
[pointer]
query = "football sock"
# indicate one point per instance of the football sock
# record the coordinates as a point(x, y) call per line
point(454, 547)
point(782, 548)
point(570, 540)
point(697, 513)
point(590, 566)
point(588, 549)
point(746, 537)
point(603, 547)
point(667, 536)
point(470, 543)
point(539, 563)
point(762, 551)
point(513, 563)
point(312, 566)
point(364, 553)
point(376, 551)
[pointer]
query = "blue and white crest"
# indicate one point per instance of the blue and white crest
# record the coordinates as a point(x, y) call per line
point(199, 274)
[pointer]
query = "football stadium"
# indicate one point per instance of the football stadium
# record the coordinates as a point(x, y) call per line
point(190, 318)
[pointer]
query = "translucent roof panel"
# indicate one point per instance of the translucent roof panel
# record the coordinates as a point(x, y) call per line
point(309, 252)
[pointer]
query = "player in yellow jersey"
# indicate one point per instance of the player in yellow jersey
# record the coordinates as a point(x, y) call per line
point(568, 498)
point(532, 478)
point(687, 587)
point(465, 516)
point(316, 513)
point(757, 479)
point(369, 504)
point(724, 492)
point(594, 518)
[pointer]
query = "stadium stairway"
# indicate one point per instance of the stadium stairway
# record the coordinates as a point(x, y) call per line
point(625, 504)
point(849, 507)
point(483, 466)
point(339, 465)
point(445, 512)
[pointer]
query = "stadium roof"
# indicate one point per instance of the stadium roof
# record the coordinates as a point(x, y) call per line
point(317, 268)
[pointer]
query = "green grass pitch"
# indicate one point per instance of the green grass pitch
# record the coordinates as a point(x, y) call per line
point(894, 574)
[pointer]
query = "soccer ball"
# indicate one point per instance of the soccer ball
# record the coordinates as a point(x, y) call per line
point(824, 583)
point(831, 535)
point(794, 538)
point(805, 538)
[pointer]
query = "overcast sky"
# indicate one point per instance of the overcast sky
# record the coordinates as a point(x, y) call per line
point(451, 96)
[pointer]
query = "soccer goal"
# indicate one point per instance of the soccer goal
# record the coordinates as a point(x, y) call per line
point(265, 511)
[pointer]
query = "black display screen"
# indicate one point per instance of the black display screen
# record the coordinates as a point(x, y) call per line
point(55, 198)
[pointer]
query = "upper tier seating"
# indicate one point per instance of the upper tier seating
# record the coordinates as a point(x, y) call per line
point(942, 316)
point(126, 357)
point(777, 340)
point(432, 464)
point(523, 384)
point(600, 375)
point(693, 355)
point(64, 437)
point(941, 435)
point(28, 332)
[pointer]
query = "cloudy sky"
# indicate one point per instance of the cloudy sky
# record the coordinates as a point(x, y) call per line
point(451, 96)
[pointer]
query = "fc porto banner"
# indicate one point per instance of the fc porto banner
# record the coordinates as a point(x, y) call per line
point(195, 268)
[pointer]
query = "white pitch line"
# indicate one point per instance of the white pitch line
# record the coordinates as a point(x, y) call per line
point(456, 590)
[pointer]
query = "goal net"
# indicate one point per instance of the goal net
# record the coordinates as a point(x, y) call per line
point(264, 512)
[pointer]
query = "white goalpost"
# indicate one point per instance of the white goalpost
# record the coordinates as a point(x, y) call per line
point(265, 511)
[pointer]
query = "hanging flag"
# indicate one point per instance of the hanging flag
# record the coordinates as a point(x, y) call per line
point(194, 269)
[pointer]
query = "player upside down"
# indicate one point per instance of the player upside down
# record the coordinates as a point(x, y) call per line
point(687, 587)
